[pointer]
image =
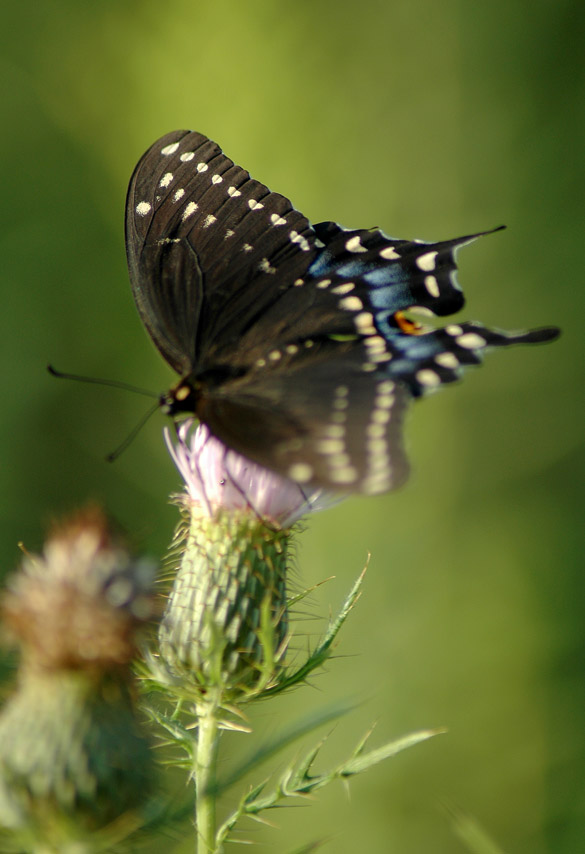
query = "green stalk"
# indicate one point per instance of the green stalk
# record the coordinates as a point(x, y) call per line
point(205, 775)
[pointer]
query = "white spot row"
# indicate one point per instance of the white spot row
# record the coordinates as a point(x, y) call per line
point(266, 267)
point(364, 323)
point(295, 237)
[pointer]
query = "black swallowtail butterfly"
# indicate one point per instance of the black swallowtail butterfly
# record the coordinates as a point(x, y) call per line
point(295, 343)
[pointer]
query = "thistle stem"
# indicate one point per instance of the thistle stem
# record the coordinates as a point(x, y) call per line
point(205, 774)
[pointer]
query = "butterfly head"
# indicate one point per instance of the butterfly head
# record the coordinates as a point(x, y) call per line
point(181, 398)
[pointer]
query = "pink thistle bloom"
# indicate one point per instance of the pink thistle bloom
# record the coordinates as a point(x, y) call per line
point(219, 478)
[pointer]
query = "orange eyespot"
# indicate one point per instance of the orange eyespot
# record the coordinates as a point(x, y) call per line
point(406, 325)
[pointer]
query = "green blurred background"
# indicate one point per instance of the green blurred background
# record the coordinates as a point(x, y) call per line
point(430, 119)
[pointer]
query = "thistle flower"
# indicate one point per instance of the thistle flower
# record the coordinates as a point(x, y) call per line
point(72, 756)
point(220, 479)
point(226, 618)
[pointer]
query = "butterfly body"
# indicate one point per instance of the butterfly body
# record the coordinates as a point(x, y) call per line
point(293, 342)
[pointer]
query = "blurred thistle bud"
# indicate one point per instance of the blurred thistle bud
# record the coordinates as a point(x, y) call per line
point(226, 618)
point(72, 756)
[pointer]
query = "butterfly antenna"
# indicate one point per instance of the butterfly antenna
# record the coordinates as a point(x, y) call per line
point(132, 435)
point(111, 383)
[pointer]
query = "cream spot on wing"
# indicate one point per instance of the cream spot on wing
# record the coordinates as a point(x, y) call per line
point(330, 446)
point(295, 237)
point(471, 341)
point(266, 266)
point(354, 244)
point(351, 303)
point(189, 210)
point(365, 323)
point(447, 360)
point(432, 286)
point(428, 378)
point(426, 262)
point(389, 253)
point(346, 474)
point(301, 472)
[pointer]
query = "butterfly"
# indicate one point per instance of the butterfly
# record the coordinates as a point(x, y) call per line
point(300, 346)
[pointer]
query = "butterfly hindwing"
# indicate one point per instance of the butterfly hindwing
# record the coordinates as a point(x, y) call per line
point(323, 422)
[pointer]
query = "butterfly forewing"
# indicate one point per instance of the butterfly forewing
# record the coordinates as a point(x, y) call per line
point(296, 340)
point(190, 206)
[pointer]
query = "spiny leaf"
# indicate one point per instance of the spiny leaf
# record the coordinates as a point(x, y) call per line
point(323, 650)
point(361, 761)
point(282, 740)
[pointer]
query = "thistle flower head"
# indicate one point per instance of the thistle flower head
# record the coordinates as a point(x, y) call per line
point(72, 755)
point(79, 604)
point(218, 478)
point(226, 618)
